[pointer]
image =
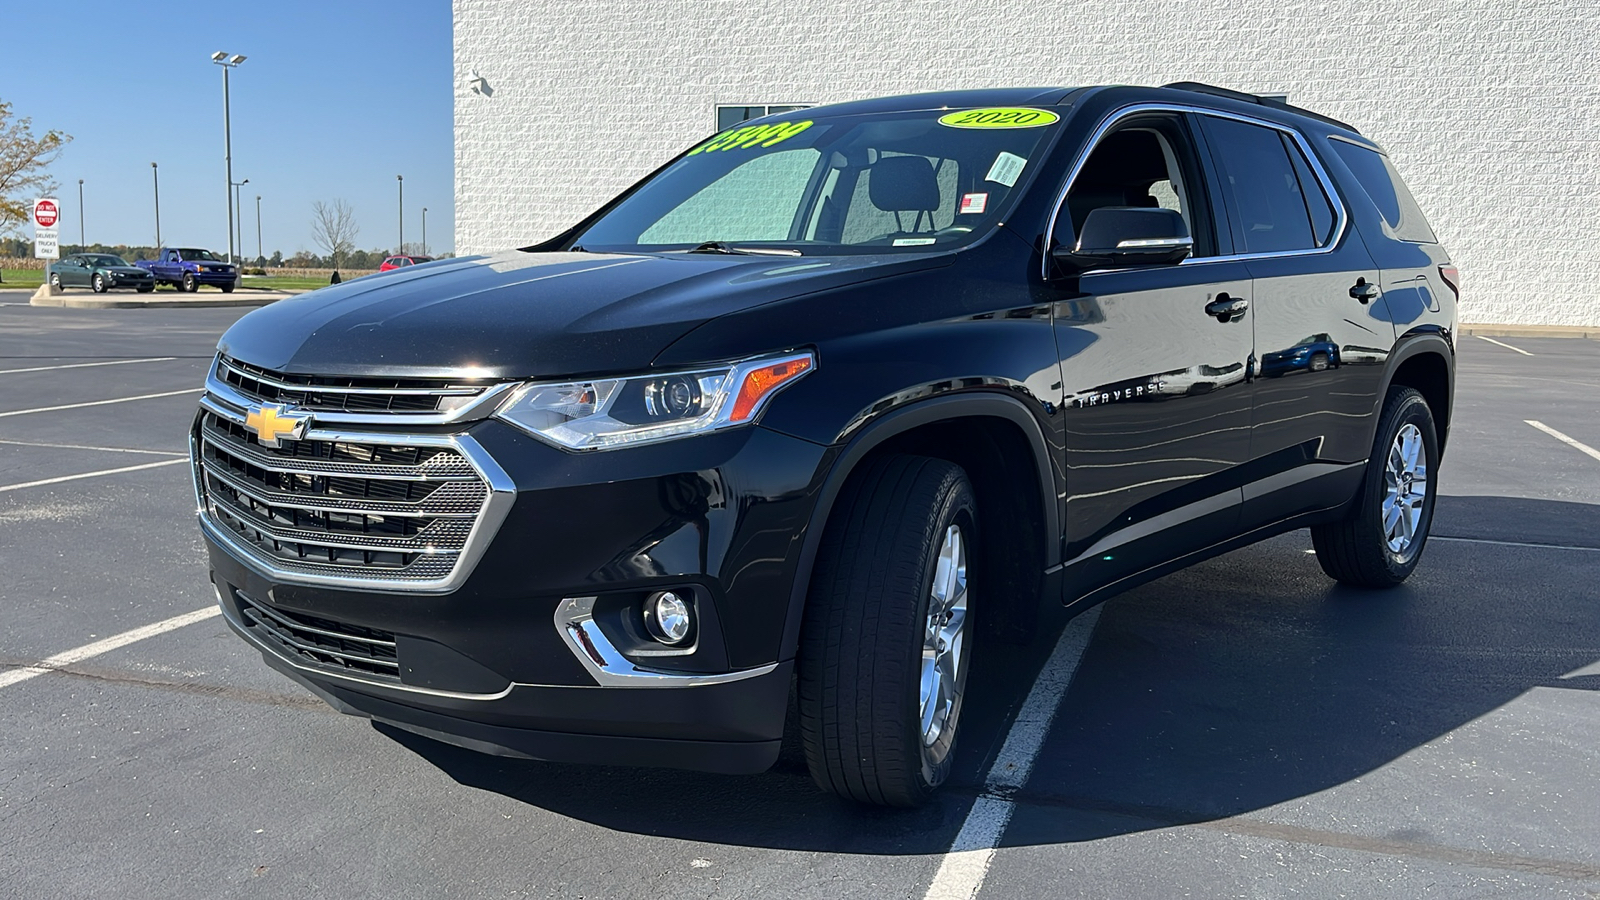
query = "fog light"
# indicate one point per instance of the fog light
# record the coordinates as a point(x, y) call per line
point(668, 618)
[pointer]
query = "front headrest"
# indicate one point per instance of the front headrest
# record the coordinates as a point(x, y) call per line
point(903, 184)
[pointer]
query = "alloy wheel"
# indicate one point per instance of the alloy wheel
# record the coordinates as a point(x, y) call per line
point(944, 639)
point(1405, 482)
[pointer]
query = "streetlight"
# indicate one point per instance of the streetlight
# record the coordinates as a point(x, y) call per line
point(259, 255)
point(81, 245)
point(239, 205)
point(401, 180)
point(227, 62)
point(424, 231)
point(155, 177)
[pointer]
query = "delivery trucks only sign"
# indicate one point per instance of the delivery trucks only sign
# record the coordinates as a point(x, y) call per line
point(46, 215)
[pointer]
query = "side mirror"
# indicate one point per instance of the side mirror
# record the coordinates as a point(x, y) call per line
point(1116, 237)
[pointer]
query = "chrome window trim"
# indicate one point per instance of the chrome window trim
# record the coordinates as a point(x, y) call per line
point(574, 619)
point(480, 408)
point(1363, 143)
point(1117, 115)
point(502, 494)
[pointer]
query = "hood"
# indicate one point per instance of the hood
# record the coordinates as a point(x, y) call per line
point(520, 314)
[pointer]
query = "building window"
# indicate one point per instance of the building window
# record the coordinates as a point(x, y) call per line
point(729, 116)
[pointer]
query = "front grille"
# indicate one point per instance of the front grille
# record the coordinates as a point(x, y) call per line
point(324, 642)
point(349, 508)
point(344, 394)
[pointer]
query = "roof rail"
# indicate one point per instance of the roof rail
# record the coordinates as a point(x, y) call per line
point(1242, 97)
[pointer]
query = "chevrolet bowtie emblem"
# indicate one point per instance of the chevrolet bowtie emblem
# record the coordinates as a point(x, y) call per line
point(273, 424)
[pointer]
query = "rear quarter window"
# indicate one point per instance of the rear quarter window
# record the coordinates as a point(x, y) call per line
point(1381, 182)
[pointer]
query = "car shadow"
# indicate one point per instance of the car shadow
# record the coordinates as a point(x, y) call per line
point(1236, 685)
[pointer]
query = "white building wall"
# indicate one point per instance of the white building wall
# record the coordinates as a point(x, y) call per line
point(1491, 109)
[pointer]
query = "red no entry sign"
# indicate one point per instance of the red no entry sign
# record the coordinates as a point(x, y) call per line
point(45, 213)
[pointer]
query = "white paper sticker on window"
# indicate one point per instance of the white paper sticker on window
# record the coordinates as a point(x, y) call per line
point(912, 242)
point(973, 204)
point(1006, 170)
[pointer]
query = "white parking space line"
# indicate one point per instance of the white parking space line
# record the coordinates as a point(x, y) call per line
point(118, 362)
point(966, 865)
point(1563, 438)
point(106, 645)
point(1499, 344)
point(57, 480)
point(24, 412)
point(1462, 540)
point(91, 447)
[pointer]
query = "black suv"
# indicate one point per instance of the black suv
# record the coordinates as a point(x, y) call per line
point(815, 403)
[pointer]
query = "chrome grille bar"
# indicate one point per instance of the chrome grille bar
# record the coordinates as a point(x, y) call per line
point(347, 508)
point(267, 377)
point(353, 400)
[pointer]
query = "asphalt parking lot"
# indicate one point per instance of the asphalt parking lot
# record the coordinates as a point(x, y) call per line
point(1240, 729)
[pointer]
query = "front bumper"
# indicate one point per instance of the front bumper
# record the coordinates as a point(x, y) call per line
point(489, 664)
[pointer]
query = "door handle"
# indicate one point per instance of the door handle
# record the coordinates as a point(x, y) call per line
point(1227, 309)
point(1364, 290)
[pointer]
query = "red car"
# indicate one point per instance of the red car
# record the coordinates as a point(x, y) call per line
point(400, 262)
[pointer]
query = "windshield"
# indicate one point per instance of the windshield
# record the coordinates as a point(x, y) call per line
point(843, 184)
point(105, 260)
point(197, 256)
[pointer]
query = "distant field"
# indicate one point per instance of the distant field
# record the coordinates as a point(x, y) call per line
point(284, 282)
point(21, 278)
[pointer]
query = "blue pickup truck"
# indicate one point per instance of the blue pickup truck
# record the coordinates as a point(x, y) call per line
point(187, 268)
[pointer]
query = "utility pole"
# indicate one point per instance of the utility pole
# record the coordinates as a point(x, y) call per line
point(81, 245)
point(155, 176)
point(259, 254)
point(227, 62)
point(401, 180)
point(424, 231)
point(239, 205)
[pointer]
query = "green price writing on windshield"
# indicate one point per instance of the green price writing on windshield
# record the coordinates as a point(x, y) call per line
point(1000, 117)
point(753, 136)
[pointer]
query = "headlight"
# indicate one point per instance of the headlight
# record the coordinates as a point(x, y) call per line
point(605, 413)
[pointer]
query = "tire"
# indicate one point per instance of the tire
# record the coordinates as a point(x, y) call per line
point(146, 288)
point(1361, 550)
point(55, 281)
point(1319, 362)
point(228, 288)
point(98, 283)
point(189, 284)
point(897, 543)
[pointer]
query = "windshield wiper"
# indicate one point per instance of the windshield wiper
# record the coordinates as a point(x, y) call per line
point(724, 247)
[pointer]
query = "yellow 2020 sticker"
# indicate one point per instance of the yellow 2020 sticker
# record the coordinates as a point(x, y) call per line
point(753, 136)
point(1000, 117)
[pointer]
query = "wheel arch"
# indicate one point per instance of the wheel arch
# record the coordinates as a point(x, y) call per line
point(1002, 447)
point(1425, 361)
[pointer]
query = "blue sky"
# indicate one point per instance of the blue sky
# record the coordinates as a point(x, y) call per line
point(335, 100)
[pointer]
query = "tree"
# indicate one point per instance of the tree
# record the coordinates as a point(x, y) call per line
point(23, 160)
point(334, 228)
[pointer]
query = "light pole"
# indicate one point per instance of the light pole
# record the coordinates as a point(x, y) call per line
point(259, 255)
point(227, 62)
point(155, 177)
point(239, 205)
point(81, 245)
point(401, 181)
point(424, 231)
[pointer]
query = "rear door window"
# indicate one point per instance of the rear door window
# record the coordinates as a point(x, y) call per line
point(1380, 180)
point(1269, 208)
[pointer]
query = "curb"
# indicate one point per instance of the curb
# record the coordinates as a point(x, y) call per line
point(101, 302)
point(1591, 332)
